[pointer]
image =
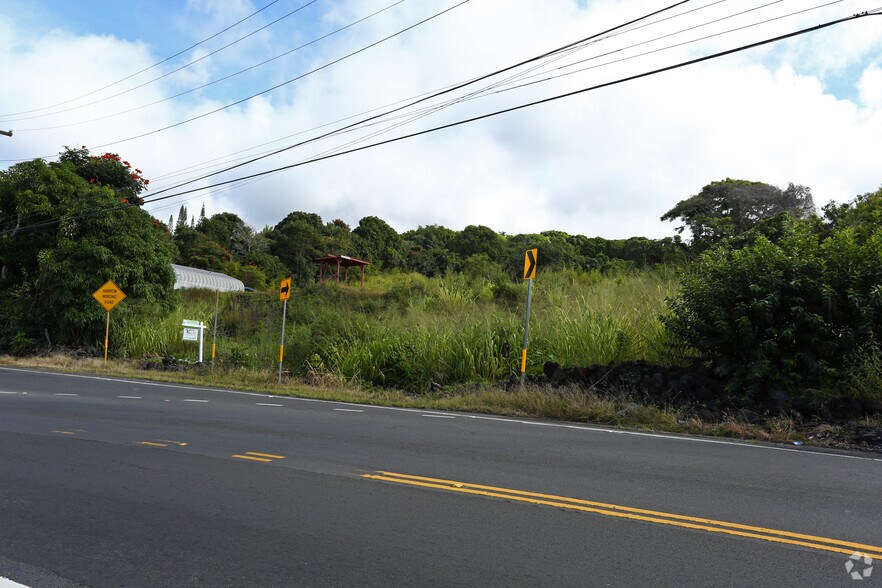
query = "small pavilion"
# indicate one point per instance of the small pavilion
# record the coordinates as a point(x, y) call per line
point(331, 266)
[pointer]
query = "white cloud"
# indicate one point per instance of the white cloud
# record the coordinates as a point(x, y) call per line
point(608, 162)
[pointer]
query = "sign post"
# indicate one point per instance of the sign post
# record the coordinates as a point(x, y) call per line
point(193, 331)
point(214, 336)
point(284, 294)
point(108, 296)
point(529, 273)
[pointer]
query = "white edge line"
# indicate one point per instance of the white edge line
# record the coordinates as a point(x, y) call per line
point(586, 428)
point(348, 410)
point(438, 416)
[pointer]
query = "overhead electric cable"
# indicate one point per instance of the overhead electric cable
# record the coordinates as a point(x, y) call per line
point(206, 164)
point(165, 75)
point(430, 96)
point(874, 12)
point(659, 49)
point(205, 85)
point(277, 86)
point(158, 63)
point(433, 95)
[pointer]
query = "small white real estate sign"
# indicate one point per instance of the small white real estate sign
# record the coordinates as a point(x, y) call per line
point(193, 332)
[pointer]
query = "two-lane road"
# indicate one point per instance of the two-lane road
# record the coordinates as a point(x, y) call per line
point(117, 482)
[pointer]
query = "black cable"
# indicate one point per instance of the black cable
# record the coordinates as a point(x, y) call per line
point(285, 83)
point(429, 97)
point(158, 63)
point(165, 75)
point(530, 104)
point(875, 12)
point(205, 164)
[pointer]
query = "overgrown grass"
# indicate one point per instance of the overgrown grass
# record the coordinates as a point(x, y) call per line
point(409, 331)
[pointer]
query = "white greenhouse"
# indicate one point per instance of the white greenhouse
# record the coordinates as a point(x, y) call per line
point(190, 277)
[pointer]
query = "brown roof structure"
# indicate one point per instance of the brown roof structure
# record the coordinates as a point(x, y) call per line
point(335, 263)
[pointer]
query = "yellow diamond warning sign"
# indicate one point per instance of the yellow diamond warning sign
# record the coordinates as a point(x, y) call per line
point(108, 295)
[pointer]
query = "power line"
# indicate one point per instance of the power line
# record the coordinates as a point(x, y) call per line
point(628, 28)
point(207, 84)
point(156, 79)
point(535, 102)
point(618, 81)
point(429, 110)
point(665, 48)
point(277, 86)
point(158, 63)
point(622, 27)
point(568, 46)
point(433, 95)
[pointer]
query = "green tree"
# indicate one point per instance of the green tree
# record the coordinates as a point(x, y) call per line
point(783, 315)
point(108, 169)
point(379, 243)
point(731, 207)
point(220, 228)
point(197, 250)
point(68, 227)
point(477, 239)
point(296, 241)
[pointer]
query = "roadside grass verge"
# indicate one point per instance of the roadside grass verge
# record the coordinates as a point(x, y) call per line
point(570, 404)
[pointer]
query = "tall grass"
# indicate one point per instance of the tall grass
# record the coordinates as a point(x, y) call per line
point(409, 331)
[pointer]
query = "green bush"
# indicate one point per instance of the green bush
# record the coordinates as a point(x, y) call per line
point(785, 315)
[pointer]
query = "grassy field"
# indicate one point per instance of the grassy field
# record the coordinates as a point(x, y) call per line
point(407, 331)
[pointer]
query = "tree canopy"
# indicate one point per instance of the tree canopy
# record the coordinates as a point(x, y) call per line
point(55, 251)
point(730, 207)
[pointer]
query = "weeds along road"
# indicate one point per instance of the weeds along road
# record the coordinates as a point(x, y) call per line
point(108, 482)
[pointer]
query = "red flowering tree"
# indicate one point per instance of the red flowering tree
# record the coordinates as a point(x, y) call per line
point(108, 170)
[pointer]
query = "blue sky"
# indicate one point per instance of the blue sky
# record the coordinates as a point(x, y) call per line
point(607, 163)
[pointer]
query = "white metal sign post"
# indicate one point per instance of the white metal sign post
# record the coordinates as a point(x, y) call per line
point(193, 332)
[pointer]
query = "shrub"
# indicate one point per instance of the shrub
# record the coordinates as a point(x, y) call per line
point(785, 315)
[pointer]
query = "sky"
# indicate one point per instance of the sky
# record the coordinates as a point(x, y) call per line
point(183, 89)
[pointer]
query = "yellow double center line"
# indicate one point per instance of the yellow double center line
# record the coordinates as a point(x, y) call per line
point(637, 514)
point(261, 457)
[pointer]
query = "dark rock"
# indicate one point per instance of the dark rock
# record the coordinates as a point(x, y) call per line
point(778, 399)
point(847, 408)
point(872, 406)
point(868, 436)
point(749, 416)
point(550, 369)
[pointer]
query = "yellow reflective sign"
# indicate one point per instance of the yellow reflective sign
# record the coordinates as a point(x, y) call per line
point(108, 295)
point(530, 263)
point(285, 289)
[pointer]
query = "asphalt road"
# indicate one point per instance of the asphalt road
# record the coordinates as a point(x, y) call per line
point(109, 482)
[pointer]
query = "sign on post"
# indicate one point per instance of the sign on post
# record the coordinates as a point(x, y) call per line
point(108, 296)
point(530, 263)
point(193, 332)
point(284, 294)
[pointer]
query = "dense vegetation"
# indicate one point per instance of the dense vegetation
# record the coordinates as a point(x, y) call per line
point(769, 294)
